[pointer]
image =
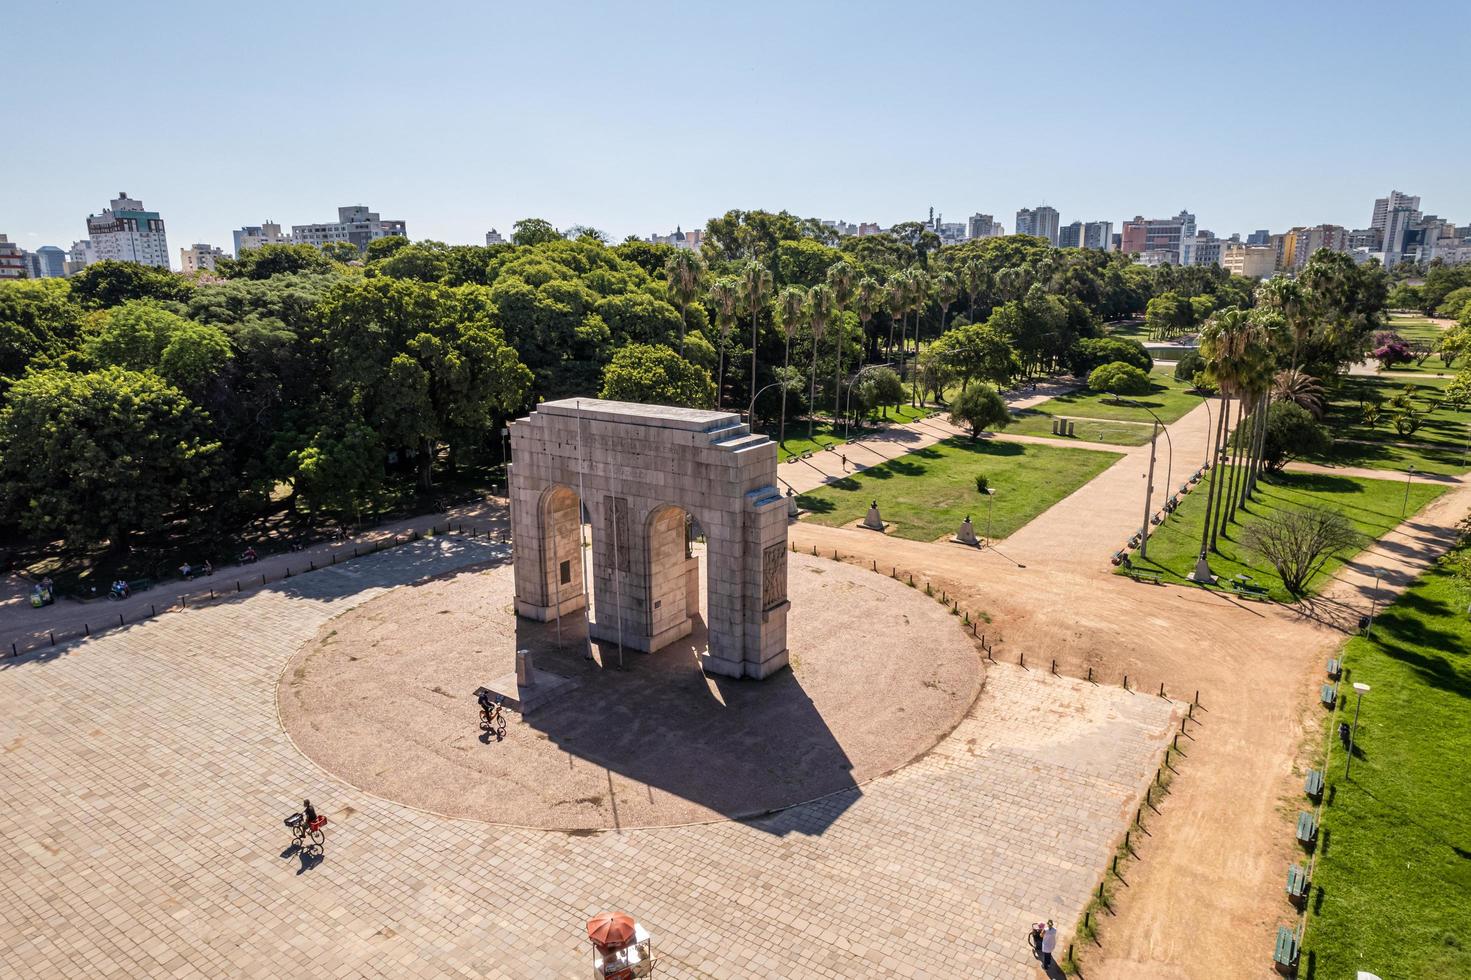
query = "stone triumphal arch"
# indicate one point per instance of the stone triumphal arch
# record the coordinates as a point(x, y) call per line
point(635, 471)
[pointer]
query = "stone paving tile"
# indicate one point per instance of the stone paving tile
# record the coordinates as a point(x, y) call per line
point(146, 775)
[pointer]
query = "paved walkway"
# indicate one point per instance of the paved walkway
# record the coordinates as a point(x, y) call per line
point(145, 775)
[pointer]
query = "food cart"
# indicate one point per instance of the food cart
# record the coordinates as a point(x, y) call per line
point(622, 949)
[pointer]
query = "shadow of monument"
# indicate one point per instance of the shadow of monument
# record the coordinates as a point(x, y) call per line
point(743, 749)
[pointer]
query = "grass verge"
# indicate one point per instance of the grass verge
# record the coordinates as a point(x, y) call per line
point(1374, 507)
point(1392, 884)
point(928, 492)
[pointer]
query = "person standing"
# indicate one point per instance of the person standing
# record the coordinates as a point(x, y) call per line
point(1049, 943)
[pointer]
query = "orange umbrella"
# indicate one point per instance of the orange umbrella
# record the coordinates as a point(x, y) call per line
point(610, 930)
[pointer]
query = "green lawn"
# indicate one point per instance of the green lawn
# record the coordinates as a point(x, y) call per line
point(925, 494)
point(824, 435)
point(1373, 506)
point(1414, 327)
point(1170, 399)
point(1438, 446)
point(1392, 885)
point(1033, 423)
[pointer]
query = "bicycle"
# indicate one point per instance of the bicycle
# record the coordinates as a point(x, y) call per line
point(307, 826)
point(492, 718)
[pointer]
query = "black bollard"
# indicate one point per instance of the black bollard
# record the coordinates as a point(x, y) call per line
point(1090, 675)
point(152, 611)
point(86, 630)
point(53, 638)
point(120, 620)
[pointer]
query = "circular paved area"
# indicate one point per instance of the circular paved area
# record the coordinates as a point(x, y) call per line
point(146, 777)
point(382, 697)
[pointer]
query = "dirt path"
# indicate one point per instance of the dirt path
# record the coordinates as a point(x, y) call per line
point(1206, 897)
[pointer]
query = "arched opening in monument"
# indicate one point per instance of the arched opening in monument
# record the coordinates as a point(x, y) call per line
point(672, 577)
point(564, 537)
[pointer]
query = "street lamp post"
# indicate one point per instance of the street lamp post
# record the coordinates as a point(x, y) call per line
point(1409, 475)
point(1361, 690)
point(751, 418)
point(848, 398)
point(1158, 426)
point(1373, 604)
point(990, 503)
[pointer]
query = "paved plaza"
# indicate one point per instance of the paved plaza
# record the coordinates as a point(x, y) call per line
point(146, 774)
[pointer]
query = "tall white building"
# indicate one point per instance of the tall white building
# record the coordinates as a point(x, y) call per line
point(355, 225)
point(254, 236)
point(982, 226)
point(127, 233)
point(200, 256)
point(79, 256)
point(1394, 202)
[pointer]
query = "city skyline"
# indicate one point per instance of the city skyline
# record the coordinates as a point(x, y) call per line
point(593, 119)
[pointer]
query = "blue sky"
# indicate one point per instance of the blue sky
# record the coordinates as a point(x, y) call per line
point(637, 117)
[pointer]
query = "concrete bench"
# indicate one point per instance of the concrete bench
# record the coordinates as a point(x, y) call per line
point(1144, 575)
point(1285, 955)
point(1297, 883)
point(1307, 827)
point(1329, 695)
point(1334, 668)
point(1313, 785)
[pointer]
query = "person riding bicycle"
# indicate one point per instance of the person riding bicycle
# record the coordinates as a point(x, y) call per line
point(309, 813)
point(247, 556)
point(486, 704)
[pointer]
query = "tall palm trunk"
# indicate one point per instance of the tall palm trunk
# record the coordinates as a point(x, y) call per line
point(812, 393)
point(838, 338)
point(786, 362)
point(1238, 442)
point(720, 379)
point(752, 419)
point(1208, 531)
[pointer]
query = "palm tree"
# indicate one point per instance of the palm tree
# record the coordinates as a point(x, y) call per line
point(755, 287)
point(897, 297)
point(1214, 345)
point(869, 299)
point(977, 280)
point(685, 273)
point(1302, 389)
point(1235, 352)
point(919, 299)
point(840, 278)
point(821, 303)
point(726, 295)
point(791, 305)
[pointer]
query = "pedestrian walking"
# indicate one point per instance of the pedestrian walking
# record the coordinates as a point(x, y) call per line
point(1049, 943)
point(1034, 938)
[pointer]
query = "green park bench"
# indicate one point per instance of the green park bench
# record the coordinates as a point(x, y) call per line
point(1285, 955)
point(1307, 827)
point(1334, 668)
point(140, 585)
point(1329, 695)
point(1144, 575)
point(1313, 786)
point(1297, 883)
point(1245, 587)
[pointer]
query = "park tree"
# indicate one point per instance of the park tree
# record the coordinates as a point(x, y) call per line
point(110, 283)
point(420, 364)
point(343, 252)
point(1299, 542)
point(933, 372)
point(1167, 316)
point(1119, 378)
point(1292, 432)
point(1455, 342)
point(1085, 355)
point(977, 352)
point(140, 335)
point(686, 276)
point(102, 456)
point(534, 231)
point(978, 408)
point(339, 468)
point(1189, 365)
point(38, 323)
point(276, 259)
point(881, 389)
point(655, 374)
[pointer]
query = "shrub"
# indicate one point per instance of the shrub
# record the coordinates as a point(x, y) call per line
point(1189, 365)
point(1292, 432)
point(1085, 355)
point(979, 408)
point(982, 484)
point(1119, 378)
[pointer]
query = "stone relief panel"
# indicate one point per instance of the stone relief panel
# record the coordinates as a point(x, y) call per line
point(773, 576)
